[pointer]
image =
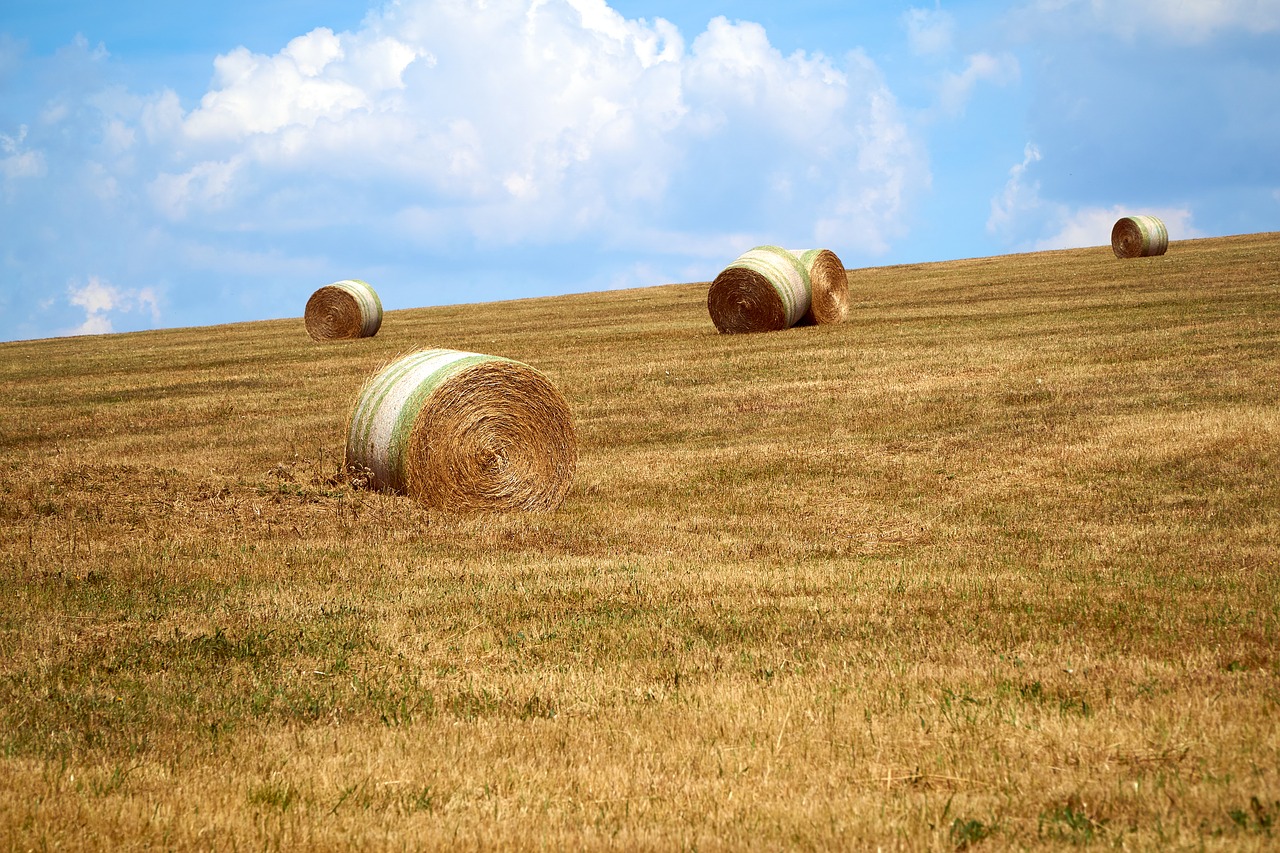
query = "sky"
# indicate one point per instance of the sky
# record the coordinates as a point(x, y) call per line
point(167, 165)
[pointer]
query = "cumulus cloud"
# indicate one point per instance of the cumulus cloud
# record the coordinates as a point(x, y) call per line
point(102, 301)
point(460, 133)
point(318, 76)
point(542, 118)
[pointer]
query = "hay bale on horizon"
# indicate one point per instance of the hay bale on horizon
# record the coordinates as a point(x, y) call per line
point(828, 286)
point(464, 431)
point(765, 289)
point(343, 310)
point(1140, 236)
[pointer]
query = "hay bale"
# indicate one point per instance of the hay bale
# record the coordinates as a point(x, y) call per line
point(828, 286)
point(343, 310)
point(1139, 237)
point(464, 431)
point(764, 290)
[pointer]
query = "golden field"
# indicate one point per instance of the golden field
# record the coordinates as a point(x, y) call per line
point(995, 564)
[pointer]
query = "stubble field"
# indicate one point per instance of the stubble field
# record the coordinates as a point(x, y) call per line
point(995, 564)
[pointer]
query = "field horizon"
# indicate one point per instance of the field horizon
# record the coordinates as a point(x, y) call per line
point(994, 564)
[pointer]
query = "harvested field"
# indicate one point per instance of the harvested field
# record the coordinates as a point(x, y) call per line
point(992, 564)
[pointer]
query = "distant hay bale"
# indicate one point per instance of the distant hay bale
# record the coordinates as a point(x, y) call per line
point(1139, 237)
point(464, 431)
point(828, 286)
point(764, 290)
point(344, 310)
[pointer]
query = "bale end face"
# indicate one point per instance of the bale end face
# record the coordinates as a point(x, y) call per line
point(496, 437)
point(742, 301)
point(828, 286)
point(765, 290)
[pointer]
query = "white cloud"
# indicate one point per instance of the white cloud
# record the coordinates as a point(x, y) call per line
point(733, 66)
point(1185, 22)
point(308, 81)
point(1018, 197)
point(100, 300)
point(956, 89)
point(160, 117)
point(206, 184)
point(929, 31)
point(543, 119)
point(17, 161)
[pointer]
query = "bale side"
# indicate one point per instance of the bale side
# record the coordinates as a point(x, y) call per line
point(1139, 236)
point(764, 290)
point(464, 431)
point(343, 310)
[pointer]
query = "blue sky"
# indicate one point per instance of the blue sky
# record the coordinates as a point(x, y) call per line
point(166, 164)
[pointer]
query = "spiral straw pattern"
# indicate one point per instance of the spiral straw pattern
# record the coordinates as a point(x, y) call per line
point(828, 286)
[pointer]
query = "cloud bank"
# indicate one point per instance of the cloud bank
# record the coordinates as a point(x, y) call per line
point(471, 137)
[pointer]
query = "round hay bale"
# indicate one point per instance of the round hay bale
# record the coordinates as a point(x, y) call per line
point(343, 310)
point(1139, 237)
point(828, 286)
point(464, 431)
point(764, 290)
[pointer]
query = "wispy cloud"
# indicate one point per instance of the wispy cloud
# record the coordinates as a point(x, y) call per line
point(1184, 23)
point(1029, 222)
point(1020, 195)
point(930, 32)
point(17, 162)
point(101, 302)
point(957, 87)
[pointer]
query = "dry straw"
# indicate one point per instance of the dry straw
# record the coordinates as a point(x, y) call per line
point(343, 310)
point(768, 288)
point(464, 431)
point(764, 290)
point(828, 286)
point(1139, 237)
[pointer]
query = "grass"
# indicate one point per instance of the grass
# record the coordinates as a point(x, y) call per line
point(994, 564)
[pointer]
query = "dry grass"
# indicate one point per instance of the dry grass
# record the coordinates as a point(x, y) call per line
point(992, 564)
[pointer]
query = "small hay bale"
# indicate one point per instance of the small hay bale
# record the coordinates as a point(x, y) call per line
point(1139, 237)
point(464, 431)
point(766, 289)
point(343, 310)
point(828, 286)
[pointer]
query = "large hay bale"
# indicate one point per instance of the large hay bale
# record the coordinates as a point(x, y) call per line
point(343, 310)
point(1139, 236)
point(828, 286)
point(764, 290)
point(464, 431)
